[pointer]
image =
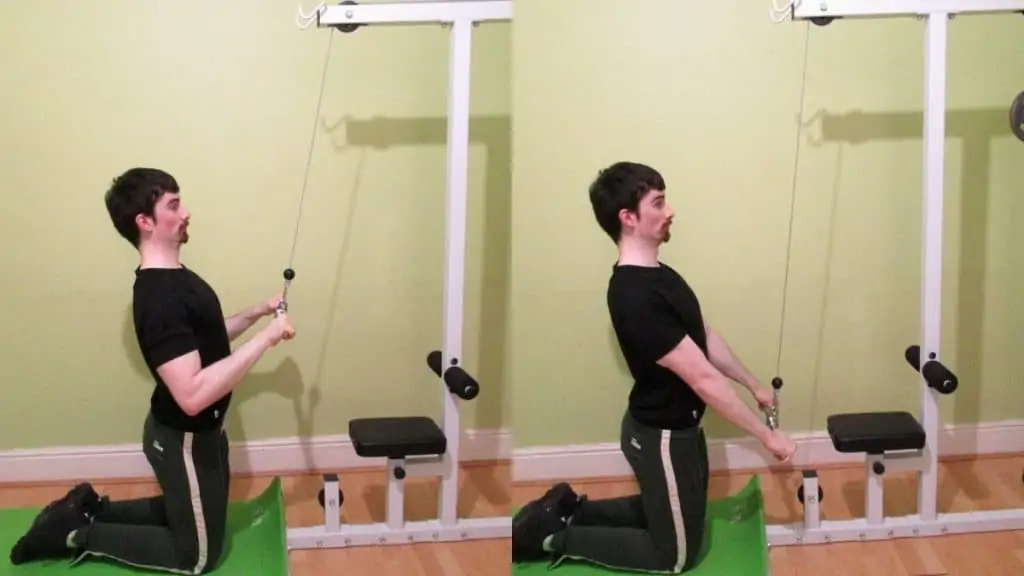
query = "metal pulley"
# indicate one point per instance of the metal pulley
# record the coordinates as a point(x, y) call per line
point(1017, 117)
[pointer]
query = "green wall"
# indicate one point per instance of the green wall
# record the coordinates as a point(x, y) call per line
point(708, 93)
point(223, 95)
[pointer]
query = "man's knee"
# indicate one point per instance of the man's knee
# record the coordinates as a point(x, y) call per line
point(667, 559)
point(198, 561)
point(215, 550)
point(670, 561)
point(211, 566)
point(677, 555)
point(203, 554)
point(212, 560)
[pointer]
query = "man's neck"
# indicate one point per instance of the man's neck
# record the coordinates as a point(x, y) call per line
point(633, 252)
point(152, 256)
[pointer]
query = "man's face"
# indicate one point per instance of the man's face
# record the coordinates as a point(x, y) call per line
point(169, 225)
point(653, 220)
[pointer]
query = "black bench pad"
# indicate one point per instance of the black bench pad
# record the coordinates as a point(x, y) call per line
point(396, 437)
point(875, 432)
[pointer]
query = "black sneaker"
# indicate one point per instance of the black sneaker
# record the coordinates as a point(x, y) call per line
point(48, 536)
point(563, 498)
point(82, 497)
point(530, 527)
point(560, 498)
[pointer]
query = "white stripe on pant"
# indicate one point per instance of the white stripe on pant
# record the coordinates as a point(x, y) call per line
point(673, 499)
point(197, 503)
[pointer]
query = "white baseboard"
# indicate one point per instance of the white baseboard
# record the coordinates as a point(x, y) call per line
point(602, 460)
point(275, 456)
point(605, 460)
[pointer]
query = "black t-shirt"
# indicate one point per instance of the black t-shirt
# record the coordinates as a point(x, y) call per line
point(177, 312)
point(652, 309)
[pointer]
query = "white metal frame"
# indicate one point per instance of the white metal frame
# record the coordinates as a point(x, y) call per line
point(460, 16)
point(927, 521)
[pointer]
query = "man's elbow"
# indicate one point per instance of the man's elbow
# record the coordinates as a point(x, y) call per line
point(191, 409)
point(693, 367)
point(182, 377)
point(187, 404)
point(184, 394)
point(706, 384)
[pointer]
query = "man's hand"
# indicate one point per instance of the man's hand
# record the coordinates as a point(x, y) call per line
point(271, 304)
point(780, 445)
point(765, 397)
point(237, 325)
point(279, 329)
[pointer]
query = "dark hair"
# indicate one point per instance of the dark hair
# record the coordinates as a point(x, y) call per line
point(136, 192)
point(621, 186)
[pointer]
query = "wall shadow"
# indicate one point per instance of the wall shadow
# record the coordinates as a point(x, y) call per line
point(130, 345)
point(975, 129)
point(286, 381)
point(494, 133)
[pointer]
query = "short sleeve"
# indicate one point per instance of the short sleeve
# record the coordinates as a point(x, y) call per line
point(165, 332)
point(648, 323)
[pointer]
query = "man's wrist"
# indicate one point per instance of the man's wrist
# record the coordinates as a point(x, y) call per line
point(264, 338)
point(765, 434)
point(251, 314)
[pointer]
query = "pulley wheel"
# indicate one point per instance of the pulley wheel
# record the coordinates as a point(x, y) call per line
point(1017, 117)
point(347, 28)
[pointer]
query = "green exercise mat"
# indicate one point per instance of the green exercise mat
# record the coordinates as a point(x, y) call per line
point(736, 543)
point(256, 545)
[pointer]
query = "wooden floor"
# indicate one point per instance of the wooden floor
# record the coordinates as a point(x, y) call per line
point(964, 486)
point(483, 493)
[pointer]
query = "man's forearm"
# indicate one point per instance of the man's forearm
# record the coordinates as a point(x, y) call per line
point(215, 381)
point(722, 357)
point(721, 397)
point(239, 323)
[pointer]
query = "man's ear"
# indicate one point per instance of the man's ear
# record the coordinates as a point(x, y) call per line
point(627, 218)
point(145, 223)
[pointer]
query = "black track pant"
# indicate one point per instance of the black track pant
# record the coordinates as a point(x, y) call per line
point(183, 530)
point(662, 528)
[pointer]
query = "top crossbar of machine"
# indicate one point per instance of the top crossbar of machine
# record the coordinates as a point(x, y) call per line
point(813, 9)
point(407, 13)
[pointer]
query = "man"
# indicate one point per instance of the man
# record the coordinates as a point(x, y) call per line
point(186, 342)
point(680, 365)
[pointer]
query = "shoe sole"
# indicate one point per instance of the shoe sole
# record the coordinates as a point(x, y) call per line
point(530, 518)
point(557, 498)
